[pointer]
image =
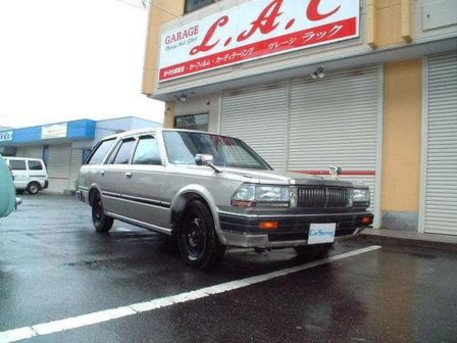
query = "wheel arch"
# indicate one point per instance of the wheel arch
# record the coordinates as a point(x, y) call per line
point(189, 193)
point(92, 190)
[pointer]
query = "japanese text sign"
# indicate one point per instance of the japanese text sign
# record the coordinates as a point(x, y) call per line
point(54, 131)
point(255, 29)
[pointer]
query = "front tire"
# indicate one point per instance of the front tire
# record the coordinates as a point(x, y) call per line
point(101, 221)
point(197, 239)
point(33, 188)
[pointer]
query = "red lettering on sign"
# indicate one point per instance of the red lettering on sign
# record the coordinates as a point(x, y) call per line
point(205, 45)
point(265, 23)
point(313, 14)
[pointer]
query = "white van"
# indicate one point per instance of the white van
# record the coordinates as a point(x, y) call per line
point(29, 173)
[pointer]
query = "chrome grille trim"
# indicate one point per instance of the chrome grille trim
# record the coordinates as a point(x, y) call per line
point(323, 197)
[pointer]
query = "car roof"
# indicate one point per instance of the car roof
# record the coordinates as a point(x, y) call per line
point(142, 131)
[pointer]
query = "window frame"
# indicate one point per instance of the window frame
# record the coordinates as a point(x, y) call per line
point(20, 161)
point(190, 116)
point(37, 162)
point(114, 153)
point(95, 149)
point(138, 139)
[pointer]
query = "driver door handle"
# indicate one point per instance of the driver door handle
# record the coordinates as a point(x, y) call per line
point(128, 175)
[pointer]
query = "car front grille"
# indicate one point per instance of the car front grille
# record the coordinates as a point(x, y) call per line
point(323, 197)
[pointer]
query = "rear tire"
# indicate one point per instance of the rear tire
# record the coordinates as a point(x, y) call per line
point(197, 239)
point(33, 188)
point(101, 221)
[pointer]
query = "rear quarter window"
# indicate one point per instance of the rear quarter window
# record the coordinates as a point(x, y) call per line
point(100, 151)
point(35, 165)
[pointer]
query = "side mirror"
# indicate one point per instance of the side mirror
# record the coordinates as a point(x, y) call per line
point(206, 160)
point(203, 159)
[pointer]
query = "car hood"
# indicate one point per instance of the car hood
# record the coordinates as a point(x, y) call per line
point(280, 178)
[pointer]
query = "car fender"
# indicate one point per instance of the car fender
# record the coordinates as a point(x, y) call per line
point(178, 203)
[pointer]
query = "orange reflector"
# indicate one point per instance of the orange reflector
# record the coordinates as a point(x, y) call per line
point(243, 203)
point(268, 225)
point(367, 220)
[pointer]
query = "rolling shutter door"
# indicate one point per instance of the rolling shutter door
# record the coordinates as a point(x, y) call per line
point(59, 167)
point(35, 151)
point(258, 116)
point(440, 195)
point(75, 165)
point(334, 122)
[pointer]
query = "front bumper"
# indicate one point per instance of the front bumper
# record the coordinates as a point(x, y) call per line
point(243, 230)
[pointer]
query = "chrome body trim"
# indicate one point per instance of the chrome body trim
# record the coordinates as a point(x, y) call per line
point(261, 241)
point(140, 223)
point(304, 215)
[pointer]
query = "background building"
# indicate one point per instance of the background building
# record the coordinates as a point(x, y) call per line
point(370, 86)
point(64, 146)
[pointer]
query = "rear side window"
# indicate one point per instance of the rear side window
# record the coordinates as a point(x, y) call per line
point(147, 152)
point(35, 165)
point(125, 152)
point(17, 165)
point(100, 151)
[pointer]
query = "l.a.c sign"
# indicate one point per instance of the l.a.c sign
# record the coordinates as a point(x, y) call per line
point(253, 30)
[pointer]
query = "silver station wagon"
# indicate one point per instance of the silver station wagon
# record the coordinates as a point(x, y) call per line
point(209, 191)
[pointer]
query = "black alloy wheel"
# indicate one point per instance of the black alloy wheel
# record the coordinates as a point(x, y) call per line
point(101, 221)
point(197, 239)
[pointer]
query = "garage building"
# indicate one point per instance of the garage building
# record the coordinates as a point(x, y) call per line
point(370, 86)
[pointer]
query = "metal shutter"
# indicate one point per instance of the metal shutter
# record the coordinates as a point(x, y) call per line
point(59, 167)
point(440, 193)
point(258, 116)
point(334, 122)
point(35, 151)
point(75, 165)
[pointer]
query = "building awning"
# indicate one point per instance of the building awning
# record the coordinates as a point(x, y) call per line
point(56, 133)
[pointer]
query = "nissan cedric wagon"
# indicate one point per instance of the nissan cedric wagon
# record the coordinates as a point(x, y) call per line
point(210, 191)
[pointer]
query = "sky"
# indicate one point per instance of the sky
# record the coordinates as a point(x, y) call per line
point(62, 60)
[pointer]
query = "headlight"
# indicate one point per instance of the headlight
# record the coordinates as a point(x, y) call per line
point(269, 193)
point(361, 196)
point(257, 195)
point(245, 193)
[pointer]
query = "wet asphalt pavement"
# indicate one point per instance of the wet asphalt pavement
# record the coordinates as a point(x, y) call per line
point(53, 266)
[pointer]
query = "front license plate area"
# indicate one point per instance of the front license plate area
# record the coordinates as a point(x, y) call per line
point(321, 233)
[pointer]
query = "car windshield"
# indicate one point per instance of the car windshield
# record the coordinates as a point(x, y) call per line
point(230, 152)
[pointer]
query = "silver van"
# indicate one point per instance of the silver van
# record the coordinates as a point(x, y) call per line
point(29, 174)
point(210, 191)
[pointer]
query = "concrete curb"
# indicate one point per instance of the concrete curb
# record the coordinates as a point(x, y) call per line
point(408, 238)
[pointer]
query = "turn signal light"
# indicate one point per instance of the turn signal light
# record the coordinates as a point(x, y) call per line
point(367, 220)
point(268, 225)
point(243, 203)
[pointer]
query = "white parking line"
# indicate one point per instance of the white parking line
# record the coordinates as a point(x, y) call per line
point(129, 310)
